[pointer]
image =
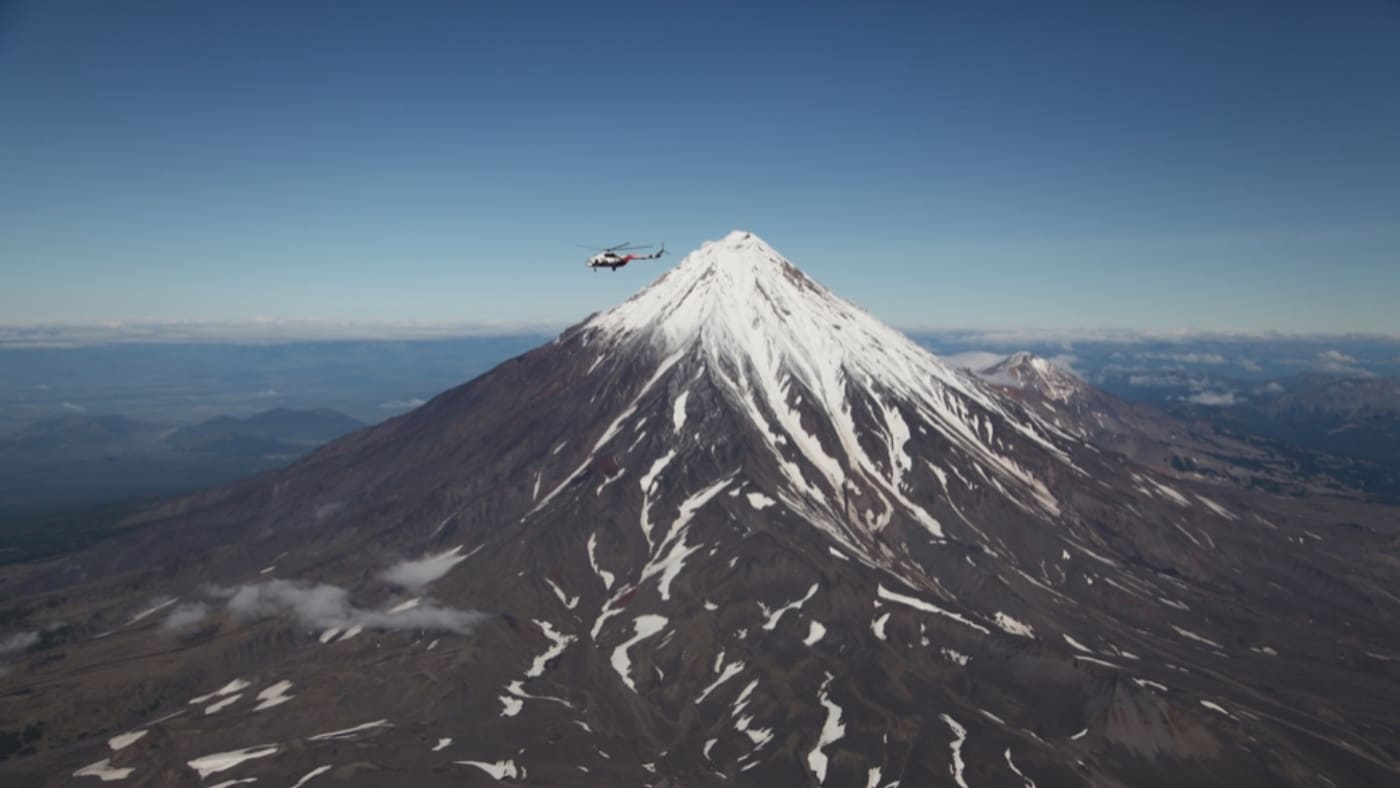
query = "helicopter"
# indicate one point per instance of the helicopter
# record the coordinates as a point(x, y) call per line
point(615, 257)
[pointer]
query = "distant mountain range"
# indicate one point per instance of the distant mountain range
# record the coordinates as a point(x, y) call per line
point(281, 429)
point(1330, 436)
point(76, 460)
point(1356, 417)
point(1300, 398)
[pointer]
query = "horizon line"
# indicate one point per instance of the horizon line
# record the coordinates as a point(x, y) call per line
point(59, 334)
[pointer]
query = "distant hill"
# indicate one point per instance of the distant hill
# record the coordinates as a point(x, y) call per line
point(1336, 397)
point(76, 432)
point(298, 428)
point(61, 463)
point(1356, 417)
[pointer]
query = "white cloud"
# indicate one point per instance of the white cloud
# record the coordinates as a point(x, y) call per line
point(320, 604)
point(1156, 380)
point(73, 407)
point(185, 615)
point(978, 360)
point(1334, 357)
point(267, 394)
point(974, 360)
point(1187, 358)
point(18, 641)
point(325, 606)
point(1001, 379)
point(1215, 399)
point(1339, 362)
point(416, 574)
point(402, 404)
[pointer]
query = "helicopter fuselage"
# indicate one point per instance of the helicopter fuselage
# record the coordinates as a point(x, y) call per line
point(609, 260)
point(614, 258)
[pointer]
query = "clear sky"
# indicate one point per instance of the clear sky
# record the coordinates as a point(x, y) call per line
point(1211, 165)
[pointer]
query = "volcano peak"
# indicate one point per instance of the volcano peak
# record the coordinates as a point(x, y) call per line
point(737, 277)
point(740, 305)
point(738, 295)
point(788, 353)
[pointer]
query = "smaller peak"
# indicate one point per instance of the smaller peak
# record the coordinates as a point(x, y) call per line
point(1020, 361)
point(1026, 360)
point(1026, 370)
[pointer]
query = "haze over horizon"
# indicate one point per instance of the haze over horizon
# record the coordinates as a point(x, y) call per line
point(1007, 166)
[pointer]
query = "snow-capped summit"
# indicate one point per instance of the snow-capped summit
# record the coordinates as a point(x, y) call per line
point(792, 355)
point(741, 304)
point(739, 296)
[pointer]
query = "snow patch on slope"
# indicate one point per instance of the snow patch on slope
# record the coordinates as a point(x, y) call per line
point(643, 627)
point(959, 736)
point(1012, 626)
point(558, 642)
point(104, 771)
point(309, 776)
point(832, 731)
point(125, 740)
point(499, 770)
point(603, 574)
point(919, 604)
point(773, 616)
point(222, 761)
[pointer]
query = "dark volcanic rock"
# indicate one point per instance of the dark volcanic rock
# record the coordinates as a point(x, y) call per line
point(734, 531)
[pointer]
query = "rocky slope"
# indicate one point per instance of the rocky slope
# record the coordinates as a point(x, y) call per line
point(734, 531)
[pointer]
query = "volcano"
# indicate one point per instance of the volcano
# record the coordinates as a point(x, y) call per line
point(734, 531)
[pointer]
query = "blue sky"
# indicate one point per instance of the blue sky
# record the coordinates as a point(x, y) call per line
point(1224, 166)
